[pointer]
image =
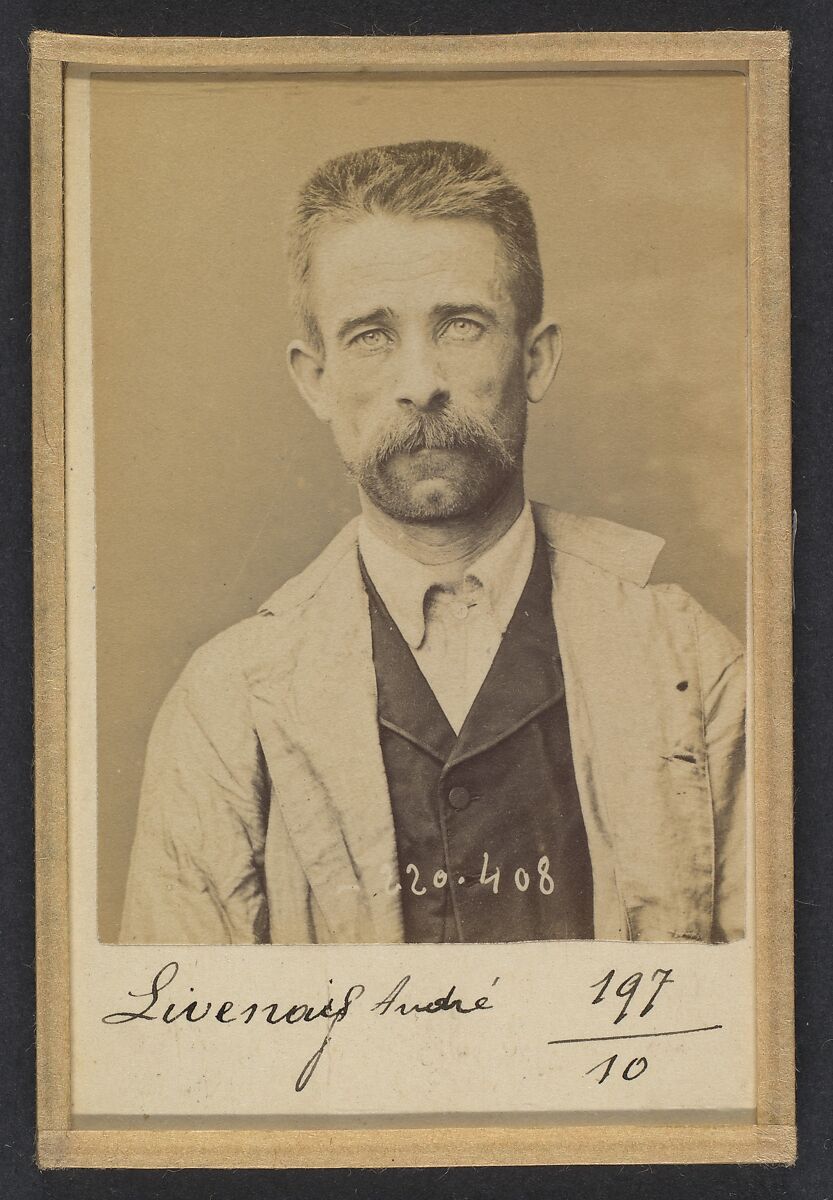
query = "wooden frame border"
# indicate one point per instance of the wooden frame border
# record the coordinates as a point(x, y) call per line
point(764, 58)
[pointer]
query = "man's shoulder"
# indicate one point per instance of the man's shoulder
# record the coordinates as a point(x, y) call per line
point(611, 567)
point(260, 641)
point(295, 592)
point(626, 553)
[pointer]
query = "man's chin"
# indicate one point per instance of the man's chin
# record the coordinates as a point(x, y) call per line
point(426, 501)
point(437, 500)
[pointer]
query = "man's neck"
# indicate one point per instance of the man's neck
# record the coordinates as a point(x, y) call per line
point(452, 545)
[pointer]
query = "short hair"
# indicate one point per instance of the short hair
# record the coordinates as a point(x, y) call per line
point(419, 179)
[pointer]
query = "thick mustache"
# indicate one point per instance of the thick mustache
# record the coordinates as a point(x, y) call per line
point(445, 430)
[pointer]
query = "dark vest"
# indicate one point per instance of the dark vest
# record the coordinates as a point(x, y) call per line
point(489, 832)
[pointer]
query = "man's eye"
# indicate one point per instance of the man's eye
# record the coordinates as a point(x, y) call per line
point(370, 339)
point(462, 329)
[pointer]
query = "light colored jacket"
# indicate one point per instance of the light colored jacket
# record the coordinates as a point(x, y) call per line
point(265, 813)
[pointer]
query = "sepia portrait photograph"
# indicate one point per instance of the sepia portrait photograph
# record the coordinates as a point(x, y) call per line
point(409, 587)
point(471, 714)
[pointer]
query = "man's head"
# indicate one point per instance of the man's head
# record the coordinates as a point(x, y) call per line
point(419, 287)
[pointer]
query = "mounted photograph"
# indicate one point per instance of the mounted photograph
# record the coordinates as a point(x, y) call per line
point(412, 553)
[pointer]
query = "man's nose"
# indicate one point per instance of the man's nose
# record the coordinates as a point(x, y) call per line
point(420, 383)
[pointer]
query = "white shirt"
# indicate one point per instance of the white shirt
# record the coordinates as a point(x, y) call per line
point(453, 632)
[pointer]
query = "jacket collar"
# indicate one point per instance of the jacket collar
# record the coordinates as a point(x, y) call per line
point(627, 553)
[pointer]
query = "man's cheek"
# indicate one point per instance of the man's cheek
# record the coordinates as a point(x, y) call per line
point(351, 390)
point(484, 392)
point(355, 415)
point(484, 377)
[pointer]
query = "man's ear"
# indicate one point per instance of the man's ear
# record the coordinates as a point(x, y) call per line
point(543, 352)
point(306, 366)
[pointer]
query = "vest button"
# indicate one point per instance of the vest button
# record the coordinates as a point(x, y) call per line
point(459, 798)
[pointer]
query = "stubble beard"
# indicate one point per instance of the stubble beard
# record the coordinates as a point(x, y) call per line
point(482, 461)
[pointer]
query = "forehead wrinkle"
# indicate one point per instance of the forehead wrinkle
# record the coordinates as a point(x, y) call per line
point(414, 265)
point(459, 292)
point(410, 268)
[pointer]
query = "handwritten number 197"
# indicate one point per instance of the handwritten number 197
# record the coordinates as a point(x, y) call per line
point(628, 988)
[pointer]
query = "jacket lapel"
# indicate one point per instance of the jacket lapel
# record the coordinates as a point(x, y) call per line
point(637, 750)
point(317, 717)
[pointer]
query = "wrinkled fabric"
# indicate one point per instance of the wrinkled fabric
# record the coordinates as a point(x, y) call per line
point(265, 814)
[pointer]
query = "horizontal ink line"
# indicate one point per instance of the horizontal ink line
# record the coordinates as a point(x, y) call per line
point(621, 1037)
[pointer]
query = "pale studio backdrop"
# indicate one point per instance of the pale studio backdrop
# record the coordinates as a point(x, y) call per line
point(215, 484)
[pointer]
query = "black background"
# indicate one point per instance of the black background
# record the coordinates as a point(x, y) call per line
point(809, 22)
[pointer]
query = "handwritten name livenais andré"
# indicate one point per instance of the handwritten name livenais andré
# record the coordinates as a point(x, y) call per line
point(399, 1000)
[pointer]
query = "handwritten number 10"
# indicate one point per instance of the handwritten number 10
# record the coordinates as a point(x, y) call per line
point(635, 1068)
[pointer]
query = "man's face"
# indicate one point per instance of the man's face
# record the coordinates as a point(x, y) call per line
point(422, 371)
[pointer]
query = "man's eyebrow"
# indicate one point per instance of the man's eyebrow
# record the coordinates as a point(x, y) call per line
point(441, 312)
point(377, 317)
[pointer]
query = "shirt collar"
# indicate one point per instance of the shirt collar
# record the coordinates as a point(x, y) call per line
point(402, 582)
